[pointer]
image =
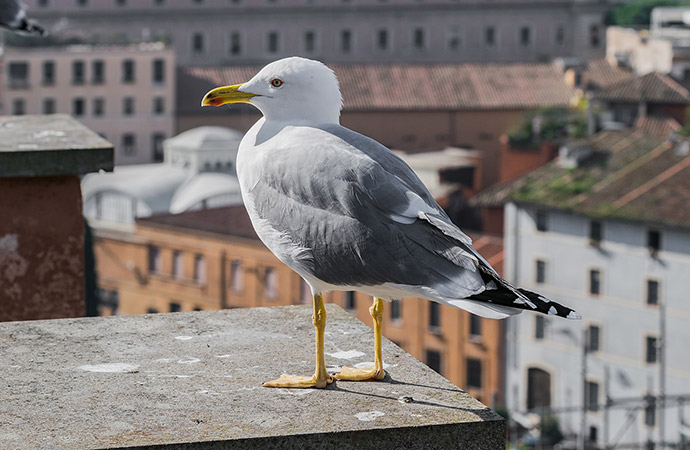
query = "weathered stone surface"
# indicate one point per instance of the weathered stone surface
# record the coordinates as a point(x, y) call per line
point(33, 146)
point(193, 381)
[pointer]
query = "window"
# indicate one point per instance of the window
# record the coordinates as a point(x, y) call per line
point(651, 347)
point(346, 41)
point(78, 107)
point(120, 2)
point(595, 232)
point(593, 338)
point(475, 325)
point(236, 276)
point(48, 73)
point(199, 268)
point(158, 71)
point(654, 241)
point(304, 292)
point(272, 42)
point(177, 265)
point(18, 107)
point(454, 39)
point(235, 43)
point(419, 38)
point(538, 388)
point(48, 106)
point(594, 282)
point(592, 396)
point(650, 412)
point(129, 144)
point(490, 36)
point(151, 311)
point(154, 259)
point(525, 36)
point(395, 310)
point(309, 41)
point(539, 326)
point(157, 145)
point(652, 292)
point(382, 39)
point(198, 43)
point(434, 316)
point(98, 71)
point(175, 307)
point(98, 106)
point(78, 72)
point(128, 106)
point(350, 301)
point(433, 360)
point(43, 3)
point(540, 277)
point(541, 220)
point(594, 36)
point(560, 35)
point(18, 75)
point(474, 373)
point(593, 431)
point(270, 283)
point(158, 105)
point(128, 71)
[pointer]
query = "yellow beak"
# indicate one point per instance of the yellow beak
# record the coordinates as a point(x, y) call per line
point(226, 94)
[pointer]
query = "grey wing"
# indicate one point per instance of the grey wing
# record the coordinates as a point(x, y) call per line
point(362, 224)
point(12, 12)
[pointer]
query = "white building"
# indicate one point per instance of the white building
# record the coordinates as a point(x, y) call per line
point(221, 32)
point(124, 93)
point(198, 172)
point(606, 231)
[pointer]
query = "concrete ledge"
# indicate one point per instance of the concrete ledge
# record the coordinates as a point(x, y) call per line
point(35, 146)
point(193, 381)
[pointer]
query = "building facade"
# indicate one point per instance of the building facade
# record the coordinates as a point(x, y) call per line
point(124, 93)
point(212, 32)
point(604, 229)
point(212, 259)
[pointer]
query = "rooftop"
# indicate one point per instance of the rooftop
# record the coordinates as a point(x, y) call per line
point(599, 73)
point(654, 87)
point(193, 381)
point(376, 87)
point(230, 221)
point(626, 175)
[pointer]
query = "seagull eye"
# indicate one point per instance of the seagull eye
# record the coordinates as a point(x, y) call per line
point(276, 82)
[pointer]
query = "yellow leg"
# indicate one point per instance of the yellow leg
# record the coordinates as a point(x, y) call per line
point(321, 378)
point(371, 373)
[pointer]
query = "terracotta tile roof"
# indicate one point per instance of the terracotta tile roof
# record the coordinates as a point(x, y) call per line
point(599, 73)
point(651, 88)
point(628, 175)
point(228, 221)
point(662, 126)
point(419, 87)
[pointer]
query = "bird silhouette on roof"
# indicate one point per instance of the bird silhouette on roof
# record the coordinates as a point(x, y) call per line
point(13, 17)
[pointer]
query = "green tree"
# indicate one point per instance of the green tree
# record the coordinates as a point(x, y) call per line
point(637, 12)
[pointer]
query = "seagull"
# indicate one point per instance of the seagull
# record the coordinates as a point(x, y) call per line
point(13, 17)
point(347, 214)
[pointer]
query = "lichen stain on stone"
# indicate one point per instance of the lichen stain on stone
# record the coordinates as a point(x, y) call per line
point(12, 265)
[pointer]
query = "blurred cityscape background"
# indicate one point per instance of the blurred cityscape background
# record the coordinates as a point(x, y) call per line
point(556, 132)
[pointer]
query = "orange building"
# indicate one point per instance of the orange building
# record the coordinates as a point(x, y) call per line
point(212, 259)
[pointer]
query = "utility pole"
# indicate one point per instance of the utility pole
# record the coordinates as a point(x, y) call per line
point(582, 442)
point(661, 353)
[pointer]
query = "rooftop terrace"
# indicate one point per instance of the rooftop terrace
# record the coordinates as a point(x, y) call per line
point(193, 381)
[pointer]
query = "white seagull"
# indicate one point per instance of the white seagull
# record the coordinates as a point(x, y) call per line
point(13, 17)
point(346, 213)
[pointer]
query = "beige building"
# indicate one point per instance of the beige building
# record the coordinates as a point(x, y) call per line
point(212, 259)
point(124, 93)
point(214, 32)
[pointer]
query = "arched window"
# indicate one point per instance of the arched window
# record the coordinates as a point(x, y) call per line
point(538, 388)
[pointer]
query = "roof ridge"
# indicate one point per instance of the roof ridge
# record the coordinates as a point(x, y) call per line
point(646, 187)
point(672, 84)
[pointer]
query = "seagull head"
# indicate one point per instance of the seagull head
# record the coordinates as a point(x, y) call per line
point(288, 90)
